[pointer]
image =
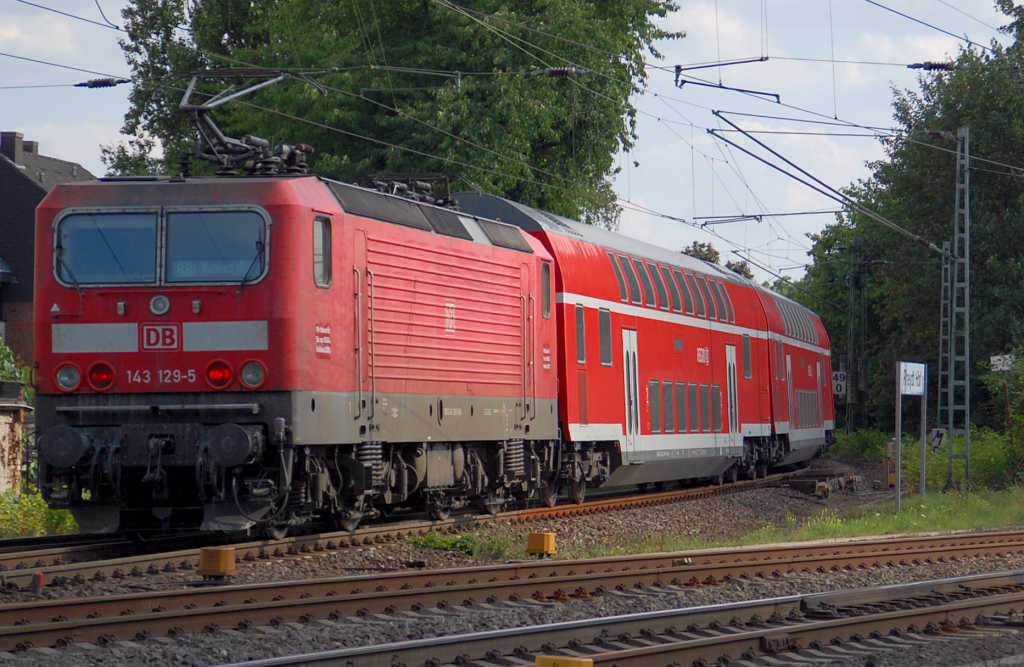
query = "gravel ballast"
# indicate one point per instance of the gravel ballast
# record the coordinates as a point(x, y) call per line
point(708, 519)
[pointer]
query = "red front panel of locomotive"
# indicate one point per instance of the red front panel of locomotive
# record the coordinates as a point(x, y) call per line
point(173, 287)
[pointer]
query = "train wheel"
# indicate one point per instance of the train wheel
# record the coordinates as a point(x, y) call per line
point(440, 508)
point(762, 470)
point(549, 494)
point(578, 490)
point(349, 520)
point(276, 532)
point(494, 502)
point(730, 475)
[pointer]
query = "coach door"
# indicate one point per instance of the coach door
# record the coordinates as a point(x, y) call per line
point(631, 385)
point(732, 396)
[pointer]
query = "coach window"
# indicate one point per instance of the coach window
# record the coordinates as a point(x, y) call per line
point(662, 294)
point(705, 416)
point(728, 303)
point(702, 283)
point(322, 252)
point(692, 395)
point(604, 321)
point(672, 290)
point(696, 294)
point(718, 300)
point(618, 277)
point(716, 407)
point(581, 341)
point(681, 406)
point(670, 413)
point(545, 288)
point(655, 396)
point(634, 286)
point(646, 280)
point(746, 357)
point(684, 290)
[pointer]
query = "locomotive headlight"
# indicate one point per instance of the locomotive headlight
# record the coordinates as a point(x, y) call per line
point(68, 377)
point(159, 305)
point(253, 374)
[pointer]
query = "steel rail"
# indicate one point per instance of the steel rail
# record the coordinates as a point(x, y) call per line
point(21, 570)
point(738, 630)
point(92, 619)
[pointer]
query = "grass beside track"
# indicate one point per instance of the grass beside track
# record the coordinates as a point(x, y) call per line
point(980, 510)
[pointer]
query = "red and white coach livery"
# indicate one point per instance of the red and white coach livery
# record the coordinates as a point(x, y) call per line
point(674, 367)
point(277, 351)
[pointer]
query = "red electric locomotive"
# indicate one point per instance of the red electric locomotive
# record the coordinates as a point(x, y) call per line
point(227, 352)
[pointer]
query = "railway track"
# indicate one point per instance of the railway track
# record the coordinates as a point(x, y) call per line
point(160, 613)
point(845, 625)
point(93, 558)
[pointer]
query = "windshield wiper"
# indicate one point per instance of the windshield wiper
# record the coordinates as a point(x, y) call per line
point(245, 278)
point(60, 258)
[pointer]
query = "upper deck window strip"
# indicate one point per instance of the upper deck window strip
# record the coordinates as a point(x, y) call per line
point(672, 289)
point(698, 297)
point(684, 290)
point(618, 276)
point(722, 315)
point(634, 285)
point(703, 285)
point(646, 280)
point(662, 294)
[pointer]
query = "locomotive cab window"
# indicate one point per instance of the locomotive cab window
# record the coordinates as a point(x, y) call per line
point(215, 246)
point(107, 248)
point(545, 288)
point(322, 264)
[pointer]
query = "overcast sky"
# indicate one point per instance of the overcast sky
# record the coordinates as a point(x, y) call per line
point(676, 168)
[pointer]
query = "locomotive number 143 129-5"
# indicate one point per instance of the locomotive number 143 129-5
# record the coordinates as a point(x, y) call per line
point(162, 376)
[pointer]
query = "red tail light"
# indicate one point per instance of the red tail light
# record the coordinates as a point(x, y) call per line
point(218, 374)
point(101, 376)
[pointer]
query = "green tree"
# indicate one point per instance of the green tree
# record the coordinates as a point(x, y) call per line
point(413, 86)
point(914, 187)
point(704, 251)
point(741, 267)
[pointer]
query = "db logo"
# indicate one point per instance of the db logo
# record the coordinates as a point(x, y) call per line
point(160, 336)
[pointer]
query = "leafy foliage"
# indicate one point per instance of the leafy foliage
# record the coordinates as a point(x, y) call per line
point(28, 515)
point(11, 371)
point(419, 86)
point(461, 543)
point(704, 251)
point(914, 187)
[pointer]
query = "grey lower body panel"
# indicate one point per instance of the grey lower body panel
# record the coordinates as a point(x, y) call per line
point(340, 417)
point(653, 468)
